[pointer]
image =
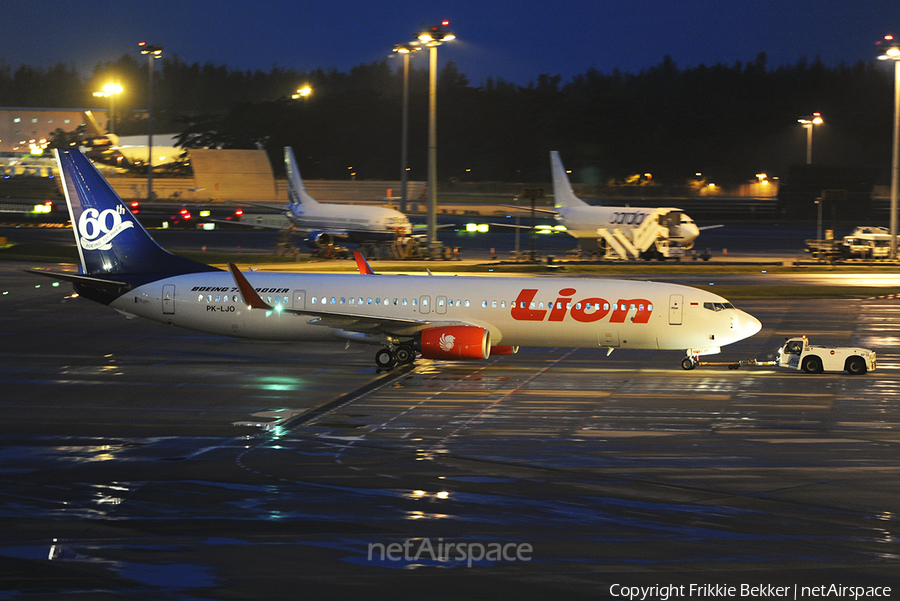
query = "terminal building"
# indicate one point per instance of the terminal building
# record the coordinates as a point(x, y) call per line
point(28, 129)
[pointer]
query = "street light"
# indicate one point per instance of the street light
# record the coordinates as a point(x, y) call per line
point(304, 92)
point(405, 50)
point(890, 50)
point(151, 52)
point(808, 124)
point(109, 91)
point(433, 37)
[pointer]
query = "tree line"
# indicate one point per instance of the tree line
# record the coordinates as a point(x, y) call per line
point(724, 122)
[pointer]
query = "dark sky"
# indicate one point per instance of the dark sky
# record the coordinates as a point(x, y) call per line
point(515, 41)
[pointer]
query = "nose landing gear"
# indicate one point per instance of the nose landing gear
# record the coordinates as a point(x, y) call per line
point(689, 362)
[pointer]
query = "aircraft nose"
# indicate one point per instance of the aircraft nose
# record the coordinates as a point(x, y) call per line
point(691, 231)
point(748, 325)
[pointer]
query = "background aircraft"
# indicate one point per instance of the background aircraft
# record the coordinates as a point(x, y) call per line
point(450, 318)
point(325, 224)
point(123, 151)
point(629, 232)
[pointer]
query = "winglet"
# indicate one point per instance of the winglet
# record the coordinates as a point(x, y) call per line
point(361, 264)
point(250, 296)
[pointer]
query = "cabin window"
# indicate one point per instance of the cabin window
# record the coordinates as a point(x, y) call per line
point(333, 301)
point(377, 301)
point(313, 300)
point(404, 302)
point(502, 304)
point(200, 298)
point(209, 298)
point(343, 300)
point(369, 301)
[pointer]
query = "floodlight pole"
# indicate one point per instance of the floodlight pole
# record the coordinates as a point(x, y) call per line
point(151, 52)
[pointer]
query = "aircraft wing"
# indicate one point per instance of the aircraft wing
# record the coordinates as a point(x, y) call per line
point(527, 209)
point(334, 319)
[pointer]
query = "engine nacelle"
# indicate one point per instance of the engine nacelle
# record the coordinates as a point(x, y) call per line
point(317, 240)
point(504, 350)
point(468, 343)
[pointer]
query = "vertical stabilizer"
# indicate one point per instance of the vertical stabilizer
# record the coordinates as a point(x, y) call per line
point(93, 128)
point(109, 239)
point(562, 190)
point(296, 192)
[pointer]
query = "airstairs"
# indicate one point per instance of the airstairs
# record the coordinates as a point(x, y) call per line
point(632, 244)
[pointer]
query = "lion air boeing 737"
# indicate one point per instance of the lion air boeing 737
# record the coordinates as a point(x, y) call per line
point(450, 317)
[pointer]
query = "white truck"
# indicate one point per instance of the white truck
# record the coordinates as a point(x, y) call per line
point(798, 354)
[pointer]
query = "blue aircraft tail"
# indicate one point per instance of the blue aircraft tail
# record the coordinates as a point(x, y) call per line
point(111, 242)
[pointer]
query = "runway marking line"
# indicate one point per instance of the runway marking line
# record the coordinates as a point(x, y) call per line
point(438, 448)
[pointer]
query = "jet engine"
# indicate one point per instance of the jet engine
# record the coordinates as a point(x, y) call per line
point(319, 239)
point(469, 343)
point(504, 350)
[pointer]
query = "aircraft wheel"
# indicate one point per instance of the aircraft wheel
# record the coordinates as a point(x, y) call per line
point(812, 365)
point(688, 363)
point(732, 367)
point(856, 366)
point(385, 358)
point(405, 355)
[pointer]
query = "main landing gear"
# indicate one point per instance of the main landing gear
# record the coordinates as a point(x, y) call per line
point(387, 358)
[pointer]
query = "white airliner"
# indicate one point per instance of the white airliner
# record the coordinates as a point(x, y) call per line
point(437, 317)
point(327, 223)
point(115, 150)
point(583, 220)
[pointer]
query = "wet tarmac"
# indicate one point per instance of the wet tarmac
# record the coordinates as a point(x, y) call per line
point(139, 461)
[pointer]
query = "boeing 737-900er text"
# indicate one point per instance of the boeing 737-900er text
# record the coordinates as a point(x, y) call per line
point(437, 317)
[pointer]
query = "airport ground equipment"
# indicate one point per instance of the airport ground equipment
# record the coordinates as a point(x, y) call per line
point(798, 354)
point(650, 240)
point(866, 242)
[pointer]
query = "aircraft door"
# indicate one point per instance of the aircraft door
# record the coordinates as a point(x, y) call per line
point(168, 299)
point(298, 299)
point(425, 304)
point(440, 305)
point(675, 309)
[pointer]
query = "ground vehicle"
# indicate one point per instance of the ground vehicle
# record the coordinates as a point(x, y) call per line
point(867, 242)
point(797, 353)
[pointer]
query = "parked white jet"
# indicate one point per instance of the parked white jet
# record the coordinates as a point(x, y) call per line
point(583, 221)
point(120, 151)
point(450, 318)
point(327, 223)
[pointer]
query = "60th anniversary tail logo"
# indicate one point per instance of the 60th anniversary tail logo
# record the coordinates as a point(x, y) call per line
point(97, 229)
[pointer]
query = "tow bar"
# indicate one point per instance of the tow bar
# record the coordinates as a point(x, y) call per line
point(730, 364)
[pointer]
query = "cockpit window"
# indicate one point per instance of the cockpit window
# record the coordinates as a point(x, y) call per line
point(718, 306)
